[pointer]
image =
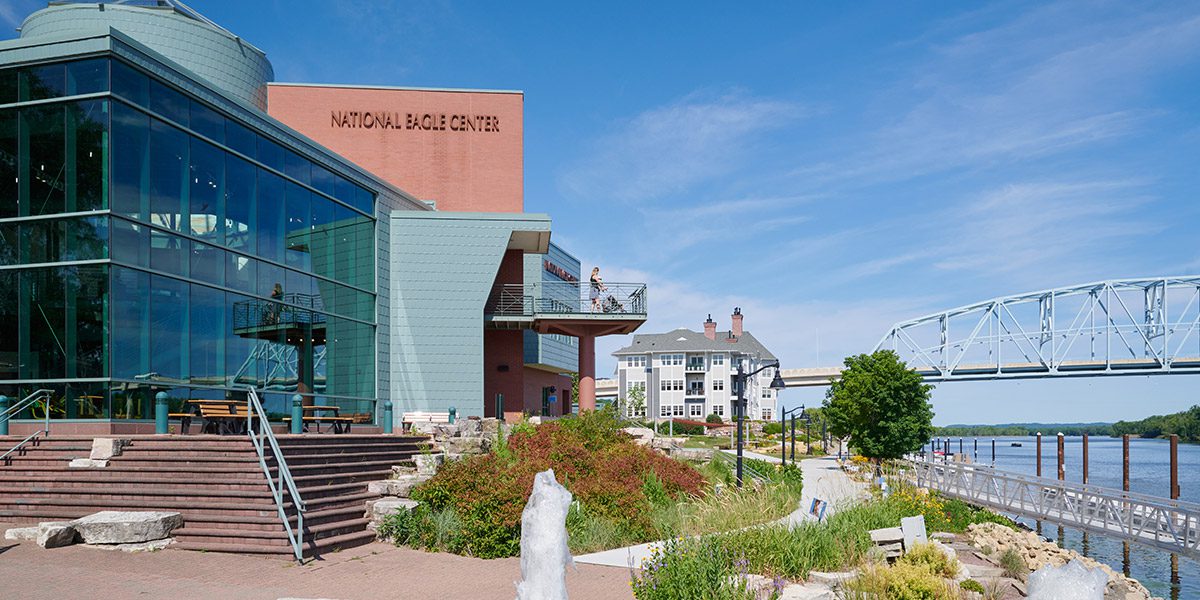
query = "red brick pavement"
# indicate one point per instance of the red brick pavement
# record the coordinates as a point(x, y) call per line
point(377, 570)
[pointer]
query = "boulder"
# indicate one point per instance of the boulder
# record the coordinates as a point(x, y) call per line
point(379, 509)
point(120, 527)
point(398, 470)
point(87, 463)
point(428, 464)
point(832, 578)
point(22, 534)
point(887, 535)
point(399, 487)
point(697, 454)
point(150, 546)
point(470, 427)
point(55, 534)
point(466, 445)
point(106, 448)
point(811, 591)
point(489, 427)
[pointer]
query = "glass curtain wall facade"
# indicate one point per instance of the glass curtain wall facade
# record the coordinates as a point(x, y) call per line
point(150, 242)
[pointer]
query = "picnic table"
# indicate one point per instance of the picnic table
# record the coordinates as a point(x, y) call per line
point(220, 416)
point(313, 414)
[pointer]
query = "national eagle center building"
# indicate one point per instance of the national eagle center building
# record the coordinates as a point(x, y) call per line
point(173, 220)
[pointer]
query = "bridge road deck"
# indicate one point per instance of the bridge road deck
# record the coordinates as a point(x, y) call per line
point(1171, 525)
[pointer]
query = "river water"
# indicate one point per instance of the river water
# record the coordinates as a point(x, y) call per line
point(1149, 474)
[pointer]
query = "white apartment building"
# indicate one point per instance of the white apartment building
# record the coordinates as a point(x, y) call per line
point(687, 374)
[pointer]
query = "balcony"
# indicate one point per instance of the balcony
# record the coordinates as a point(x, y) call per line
point(266, 320)
point(563, 307)
point(695, 366)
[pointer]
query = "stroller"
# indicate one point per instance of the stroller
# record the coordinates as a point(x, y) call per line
point(610, 305)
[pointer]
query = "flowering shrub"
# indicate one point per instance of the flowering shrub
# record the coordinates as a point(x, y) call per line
point(609, 475)
point(941, 514)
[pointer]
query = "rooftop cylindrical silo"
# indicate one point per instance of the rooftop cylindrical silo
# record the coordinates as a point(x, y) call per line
point(172, 29)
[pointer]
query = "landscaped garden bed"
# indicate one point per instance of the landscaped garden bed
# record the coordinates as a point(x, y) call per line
point(624, 493)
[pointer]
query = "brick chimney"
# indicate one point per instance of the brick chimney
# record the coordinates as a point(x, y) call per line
point(710, 328)
point(737, 322)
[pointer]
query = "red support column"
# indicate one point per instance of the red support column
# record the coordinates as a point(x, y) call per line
point(587, 373)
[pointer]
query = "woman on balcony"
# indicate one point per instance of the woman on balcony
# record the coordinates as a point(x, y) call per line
point(597, 287)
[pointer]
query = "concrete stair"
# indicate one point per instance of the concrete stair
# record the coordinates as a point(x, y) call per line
point(217, 483)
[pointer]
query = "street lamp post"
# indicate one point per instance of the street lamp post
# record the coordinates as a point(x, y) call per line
point(783, 417)
point(740, 381)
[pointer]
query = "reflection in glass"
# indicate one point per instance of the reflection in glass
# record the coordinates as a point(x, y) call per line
point(168, 176)
point(43, 83)
point(130, 161)
point(130, 243)
point(130, 323)
point(208, 333)
point(270, 216)
point(207, 199)
point(9, 190)
point(168, 328)
point(296, 216)
point(60, 322)
point(87, 76)
point(87, 144)
point(42, 134)
point(240, 214)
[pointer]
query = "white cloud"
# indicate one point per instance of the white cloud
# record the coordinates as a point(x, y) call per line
point(672, 148)
point(13, 13)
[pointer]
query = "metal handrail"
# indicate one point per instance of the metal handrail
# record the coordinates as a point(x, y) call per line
point(566, 298)
point(16, 409)
point(731, 460)
point(283, 474)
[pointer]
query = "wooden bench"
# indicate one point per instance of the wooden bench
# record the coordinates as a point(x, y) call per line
point(410, 418)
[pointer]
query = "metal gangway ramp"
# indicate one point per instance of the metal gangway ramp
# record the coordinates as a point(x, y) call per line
point(1171, 525)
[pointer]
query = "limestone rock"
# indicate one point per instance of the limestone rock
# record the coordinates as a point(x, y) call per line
point(150, 546)
point(399, 487)
point(832, 578)
point(943, 536)
point(121, 527)
point(22, 534)
point(398, 470)
point(55, 534)
point(106, 448)
point(380, 509)
point(428, 464)
point(489, 427)
point(87, 463)
point(697, 454)
point(469, 427)
point(887, 535)
point(811, 591)
point(466, 445)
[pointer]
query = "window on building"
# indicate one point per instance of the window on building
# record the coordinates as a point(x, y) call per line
point(767, 414)
point(677, 410)
point(718, 359)
point(695, 410)
point(671, 360)
point(719, 410)
point(635, 361)
point(718, 385)
point(664, 410)
point(767, 393)
point(637, 385)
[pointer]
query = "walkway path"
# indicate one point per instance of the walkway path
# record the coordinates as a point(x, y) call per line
point(822, 479)
point(375, 571)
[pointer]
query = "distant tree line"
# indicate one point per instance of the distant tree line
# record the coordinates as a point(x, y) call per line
point(1185, 424)
point(1021, 429)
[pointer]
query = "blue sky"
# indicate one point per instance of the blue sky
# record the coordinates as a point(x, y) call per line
point(831, 168)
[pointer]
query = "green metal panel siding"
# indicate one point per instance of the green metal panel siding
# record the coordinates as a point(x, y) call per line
point(443, 267)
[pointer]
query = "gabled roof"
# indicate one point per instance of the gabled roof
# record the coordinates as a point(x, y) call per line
point(686, 340)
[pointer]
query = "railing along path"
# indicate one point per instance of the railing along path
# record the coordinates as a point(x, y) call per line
point(1172, 525)
point(283, 480)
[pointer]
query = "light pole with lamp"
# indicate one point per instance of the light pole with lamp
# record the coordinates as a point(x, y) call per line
point(740, 382)
point(783, 417)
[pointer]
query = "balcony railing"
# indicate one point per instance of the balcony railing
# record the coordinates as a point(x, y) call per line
point(695, 366)
point(567, 298)
point(252, 314)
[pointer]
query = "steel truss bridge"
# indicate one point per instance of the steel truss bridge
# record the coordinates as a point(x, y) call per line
point(1172, 525)
point(1121, 327)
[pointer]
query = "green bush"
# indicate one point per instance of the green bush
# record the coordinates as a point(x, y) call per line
point(932, 558)
point(772, 428)
point(690, 569)
point(902, 581)
point(1014, 566)
point(971, 585)
point(714, 418)
point(677, 428)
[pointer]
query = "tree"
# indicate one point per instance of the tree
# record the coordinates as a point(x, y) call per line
point(635, 401)
point(881, 404)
